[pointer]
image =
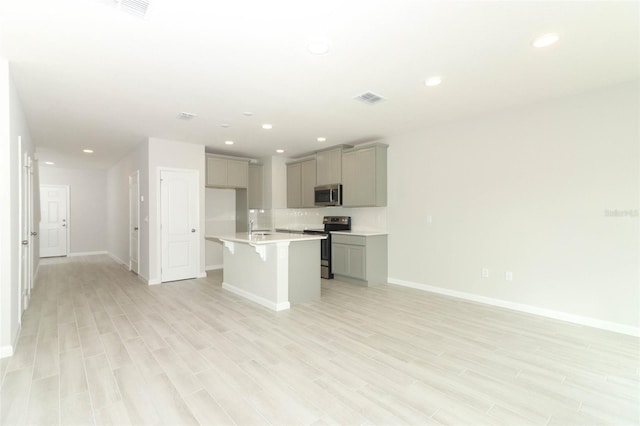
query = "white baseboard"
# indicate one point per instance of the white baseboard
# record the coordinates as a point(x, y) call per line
point(87, 253)
point(118, 260)
point(35, 275)
point(259, 300)
point(212, 267)
point(159, 280)
point(549, 313)
point(6, 351)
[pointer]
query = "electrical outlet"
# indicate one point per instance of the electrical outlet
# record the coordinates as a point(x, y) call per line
point(485, 273)
point(508, 276)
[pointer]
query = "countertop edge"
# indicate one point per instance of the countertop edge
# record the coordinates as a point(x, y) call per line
point(279, 238)
point(360, 233)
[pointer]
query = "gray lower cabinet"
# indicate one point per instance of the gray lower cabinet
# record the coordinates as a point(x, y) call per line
point(359, 259)
point(349, 260)
point(227, 173)
point(301, 180)
point(364, 176)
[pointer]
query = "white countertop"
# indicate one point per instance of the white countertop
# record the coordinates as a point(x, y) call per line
point(259, 238)
point(360, 233)
point(296, 228)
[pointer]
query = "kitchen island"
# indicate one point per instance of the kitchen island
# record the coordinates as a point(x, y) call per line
point(272, 269)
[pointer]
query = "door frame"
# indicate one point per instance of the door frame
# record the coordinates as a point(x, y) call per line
point(67, 248)
point(23, 221)
point(25, 229)
point(159, 171)
point(137, 206)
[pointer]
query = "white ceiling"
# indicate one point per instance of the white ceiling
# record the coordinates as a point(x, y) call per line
point(91, 76)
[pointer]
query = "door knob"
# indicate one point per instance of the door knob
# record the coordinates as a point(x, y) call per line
point(135, 229)
point(34, 233)
point(193, 230)
point(25, 242)
point(64, 225)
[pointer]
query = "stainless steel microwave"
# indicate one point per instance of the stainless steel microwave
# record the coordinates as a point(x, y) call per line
point(328, 195)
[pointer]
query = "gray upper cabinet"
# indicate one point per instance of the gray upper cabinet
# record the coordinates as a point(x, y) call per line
point(364, 176)
point(301, 180)
point(227, 173)
point(308, 176)
point(329, 166)
point(256, 186)
point(294, 185)
point(237, 173)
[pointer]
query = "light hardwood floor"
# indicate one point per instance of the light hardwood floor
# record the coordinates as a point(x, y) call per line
point(99, 347)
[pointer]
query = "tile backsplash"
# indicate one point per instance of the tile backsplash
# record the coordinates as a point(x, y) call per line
point(362, 218)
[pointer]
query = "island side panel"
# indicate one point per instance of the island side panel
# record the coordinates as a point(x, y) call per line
point(247, 274)
point(304, 271)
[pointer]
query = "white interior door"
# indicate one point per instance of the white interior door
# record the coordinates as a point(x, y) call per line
point(179, 219)
point(134, 221)
point(53, 222)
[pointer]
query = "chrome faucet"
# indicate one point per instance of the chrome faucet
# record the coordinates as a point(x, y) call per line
point(250, 228)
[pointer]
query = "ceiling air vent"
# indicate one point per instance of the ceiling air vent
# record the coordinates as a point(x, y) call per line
point(186, 116)
point(369, 98)
point(137, 8)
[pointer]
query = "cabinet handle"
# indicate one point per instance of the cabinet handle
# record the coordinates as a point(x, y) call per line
point(193, 230)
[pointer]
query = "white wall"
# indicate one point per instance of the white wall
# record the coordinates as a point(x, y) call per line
point(148, 157)
point(220, 218)
point(13, 125)
point(87, 204)
point(6, 252)
point(178, 155)
point(525, 191)
point(118, 207)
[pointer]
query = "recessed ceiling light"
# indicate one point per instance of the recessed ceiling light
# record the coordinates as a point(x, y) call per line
point(247, 113)
point(279, 151)
point(267, 126)
point(318, 46)
point(433, 81)
point(322, 139)
point(228, 142)
point(546, 40)
point(50, 163)
point(87, 151)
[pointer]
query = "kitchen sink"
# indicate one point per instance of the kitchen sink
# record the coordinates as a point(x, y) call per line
point(262, 234)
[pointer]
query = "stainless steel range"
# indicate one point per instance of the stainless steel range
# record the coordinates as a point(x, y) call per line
point(331, 223)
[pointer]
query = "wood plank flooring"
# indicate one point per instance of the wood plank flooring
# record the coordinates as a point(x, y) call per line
point(100, 347)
